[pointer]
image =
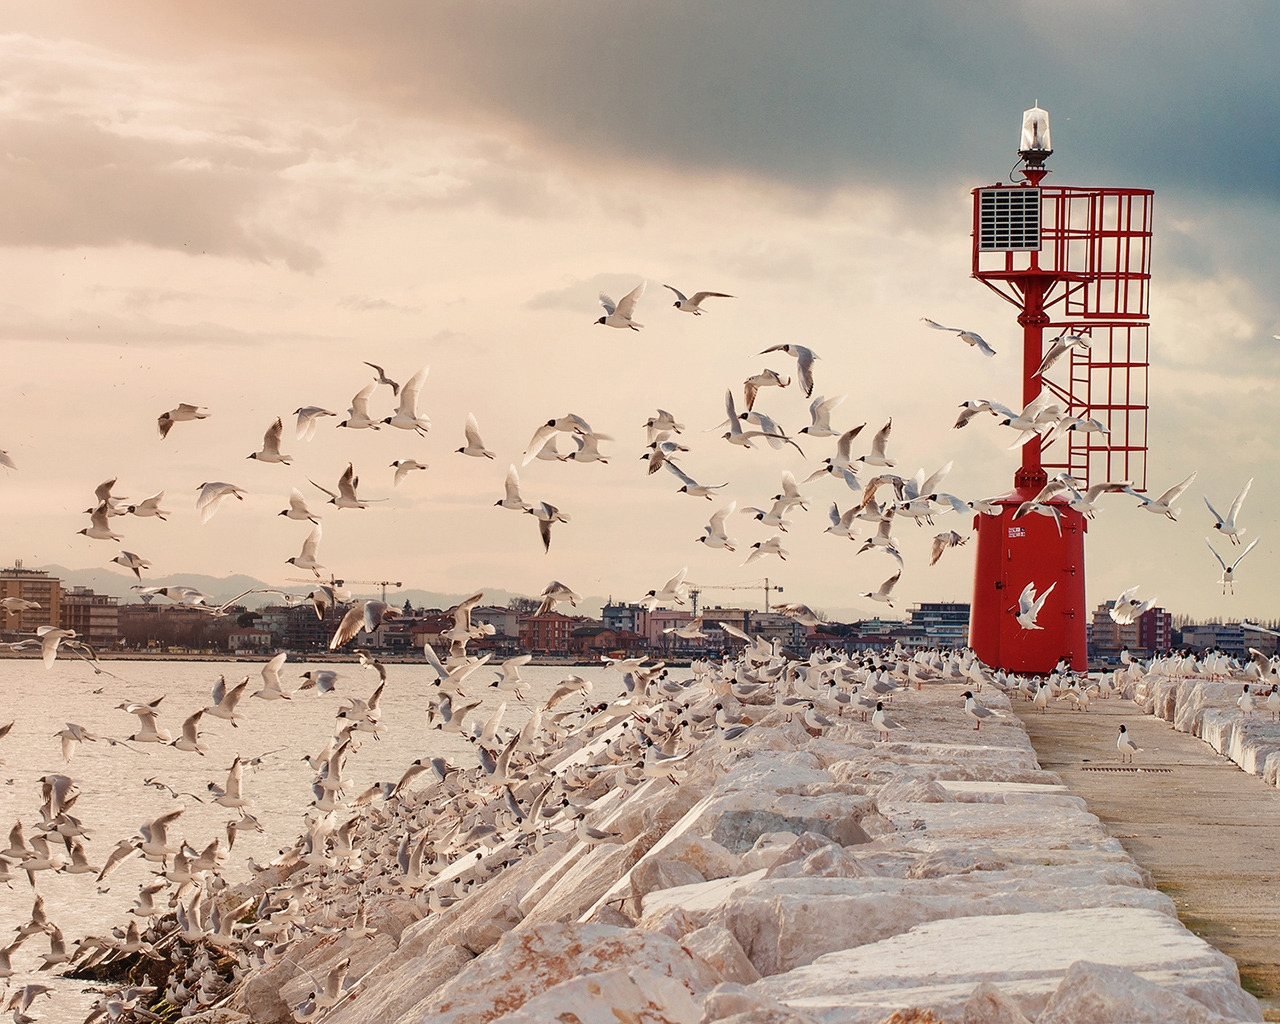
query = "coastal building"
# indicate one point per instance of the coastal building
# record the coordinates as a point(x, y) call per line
point(631, 617)
point(94, 617)
point(773, 626)
point(1155, 630)
point(505, 621)
point(249, 641)
point(945, 623)
point(1107, 638)
point(549, 633)
point(30, 585)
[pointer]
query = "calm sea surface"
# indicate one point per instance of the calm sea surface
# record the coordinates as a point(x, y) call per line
point(114, 800)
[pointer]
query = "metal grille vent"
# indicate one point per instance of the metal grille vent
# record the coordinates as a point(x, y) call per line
point(1127, 770)
point(1009, 219)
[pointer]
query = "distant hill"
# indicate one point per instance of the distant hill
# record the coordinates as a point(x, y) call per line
point(120, 585)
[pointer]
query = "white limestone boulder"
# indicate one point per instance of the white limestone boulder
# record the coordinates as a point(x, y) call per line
point(633, 995)
point(937, 965)
point(988, 1005)
point(1102, 994)
point(528, 962)
point(719, 948)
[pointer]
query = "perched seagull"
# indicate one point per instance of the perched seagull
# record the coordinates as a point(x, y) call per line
point(298, 507)
point(1127, 609)
point(382, 378)
point(619, 314)
point(358, 417)
point(1227, 526)
point(309, 417)
point(693, 303)
point(1126, 746)
point(765, 379)
point(307, 559)
point(406, 415)
point(772, 546)
point(474, 446)
point(181, 414)
point(555, 593)
point(977, 712)
point(271, 445)
point(404, 467)
point(1229, 571)
point(129, 560)
point(1029, 605)
point(715, 536)
point(149, 507)
point(513, 500)
point(1163, 504)
point(885, 593)
point(691, 486)
point(346, 493)
point(546, 515)
point(1062, 344)
point(968, 337)
point(99, 530)
point(882, 722)
point(213, 494)
point(804, 363)
point(942, 541)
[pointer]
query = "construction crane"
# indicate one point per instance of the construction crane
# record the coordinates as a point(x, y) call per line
point(697, 588)
point(368, 583)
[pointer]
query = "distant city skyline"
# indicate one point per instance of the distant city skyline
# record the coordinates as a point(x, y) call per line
point(238, 206)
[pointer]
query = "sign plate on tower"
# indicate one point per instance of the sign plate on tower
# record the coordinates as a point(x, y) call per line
point(1009, 219)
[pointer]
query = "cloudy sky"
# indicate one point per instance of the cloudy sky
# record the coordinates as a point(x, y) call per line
point(234, 205)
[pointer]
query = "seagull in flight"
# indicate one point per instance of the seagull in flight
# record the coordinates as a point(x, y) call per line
point(135, 563)
point(715, 535)
point(1229, 571)
point(404, 467)
point(691, 486)
point(1127, 609)
point(307, 560)
point(382, 378)
point(546, 515)
point(804, 363)
point(876, 457)
point(406, 415)
point(271, 445)
point(618, 314)
point(308, 420)
point(1062, 344)
point(474, 446)
point(358, 417)
point(968, 337)
point(513, 500)
point(346, 493)
point(211, 495)
point(1227, 527)
point(1029, 605)
point(298, 507)
point(1163, 504)
point(183, 413)
point(692, 304)
point(764, 379)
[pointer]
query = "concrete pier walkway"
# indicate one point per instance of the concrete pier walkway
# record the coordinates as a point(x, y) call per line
point(1208, 832)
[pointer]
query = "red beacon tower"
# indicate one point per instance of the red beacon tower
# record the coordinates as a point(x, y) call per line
point(1074, 261)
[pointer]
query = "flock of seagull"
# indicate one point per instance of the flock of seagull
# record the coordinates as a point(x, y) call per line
point(534, 785)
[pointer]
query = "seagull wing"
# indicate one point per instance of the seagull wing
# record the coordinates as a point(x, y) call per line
point(939, 327)
point(1235, 505)
point(628, 304)
point(609, 305)
point(681, 295)
point(1175, 492)
point(472, 431)
point(1215, 512)
point(540, 438)
point(1251, 546)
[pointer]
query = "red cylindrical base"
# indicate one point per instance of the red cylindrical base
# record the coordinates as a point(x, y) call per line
point(1011, 555)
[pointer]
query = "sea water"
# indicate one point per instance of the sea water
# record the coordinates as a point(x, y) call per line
point(114, 801)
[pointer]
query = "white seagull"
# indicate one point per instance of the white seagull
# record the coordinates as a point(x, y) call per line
point(715, 535)
point(885, 593)
point(404, 467)
point(1127, 608)
point(298, 507)
point(978, 712)
point(513, 500)
point(307, 559)
point(693, 303)
point(968, 337)
point(619, 314)
point(183, 413)
point(1228, 526)
point(406, 415)
point(1229, 571)
point(271, 445)
point(804, 363)
point(358, 417)
point(1162, 505)
point(212, 494)
point(474, 446)
point(1029, 605)
point(1126, 746)
point(309, 417)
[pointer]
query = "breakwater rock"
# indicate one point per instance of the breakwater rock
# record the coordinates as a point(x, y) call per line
point(777, 863)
